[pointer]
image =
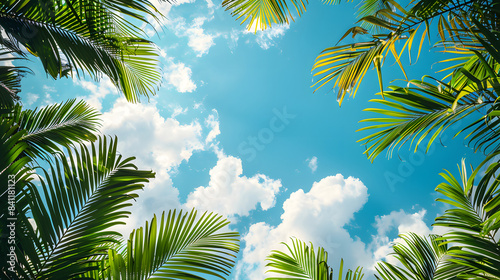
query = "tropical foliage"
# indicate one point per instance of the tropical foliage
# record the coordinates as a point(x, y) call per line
point(78, 37)
point(65, 227)
point(66, 213)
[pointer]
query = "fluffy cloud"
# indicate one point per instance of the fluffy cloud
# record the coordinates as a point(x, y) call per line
point(179, 75)
point(230, 193)
point(97, 91)
point(318, 216)
point(31, 98)
point(313, 164)
point(401, 222)
point(160, 145)
point(198, 40)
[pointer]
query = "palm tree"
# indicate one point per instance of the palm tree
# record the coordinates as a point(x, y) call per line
point(79, 37)
point(302, 262)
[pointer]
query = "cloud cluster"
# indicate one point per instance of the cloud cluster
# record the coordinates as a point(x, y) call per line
point(317, 216)
point(160, 144)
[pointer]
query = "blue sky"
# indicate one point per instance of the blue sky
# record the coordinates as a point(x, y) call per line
point(236, 129)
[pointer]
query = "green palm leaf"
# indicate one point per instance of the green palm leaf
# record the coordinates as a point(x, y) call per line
point(302, 262)
point(83, 196)
point(261, 14)
point(473, 218)
point(63, 124)
point(426, 110)
point(177, 246)
point(13, 175)
point(87, 36)
point(419, 258)
point(344, 67)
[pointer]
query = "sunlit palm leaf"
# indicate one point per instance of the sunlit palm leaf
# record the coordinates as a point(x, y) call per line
point(344, 67)
point(83, 196)
point(261, 14)
point(178, 246)
point(302, 262)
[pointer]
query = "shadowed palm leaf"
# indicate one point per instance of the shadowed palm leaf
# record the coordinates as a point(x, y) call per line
point(301, 262)
point(86, 36)
point(473, 218)
point(59, 124)
point(177, 246)
point(426, 110)
point(82, 197)
point(420, 258)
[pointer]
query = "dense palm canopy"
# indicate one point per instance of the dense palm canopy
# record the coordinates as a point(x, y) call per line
point(80, 37)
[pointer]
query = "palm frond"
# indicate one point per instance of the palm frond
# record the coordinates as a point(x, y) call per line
point(419, 258)
point(64, 124)
point(344, 67)
point(261, 14)
point(473, 217)
point(302, 262)
point(177, 246)
point(87, 36)
point(85, 193)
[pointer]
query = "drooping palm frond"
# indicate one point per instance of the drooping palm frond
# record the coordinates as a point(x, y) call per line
point(473, 218)
point(302, 262)
point(62, 124)
point(84, 194)
point(419, 258)
point(344, 67)
point(177, 246)
point(262, 14)
point(87, 36)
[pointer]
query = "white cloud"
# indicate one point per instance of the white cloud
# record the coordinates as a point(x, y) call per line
point(266, 38)
point(198, 40)
point(212, 122)
point(31, 98)
point(402, 222)
point(230, 193)
point(318, 216)
point(179, 75)
point(97, 91)
point(178, 110)
point(160, 145)
point(313, 164)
